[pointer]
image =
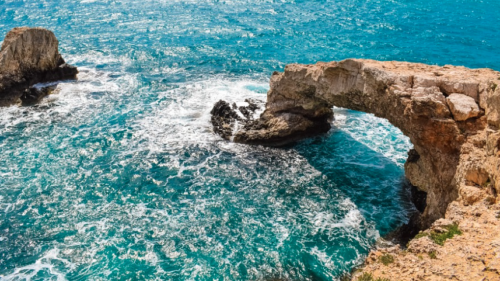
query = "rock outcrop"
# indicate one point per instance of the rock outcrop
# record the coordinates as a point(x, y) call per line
point(451, 115)
point(226, 118)
point(462, 107)
point(29, 56)
point(472, 253)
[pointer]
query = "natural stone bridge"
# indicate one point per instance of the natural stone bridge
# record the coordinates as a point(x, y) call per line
point(451, 115)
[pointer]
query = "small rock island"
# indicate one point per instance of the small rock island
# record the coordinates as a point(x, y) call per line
point(30, 56)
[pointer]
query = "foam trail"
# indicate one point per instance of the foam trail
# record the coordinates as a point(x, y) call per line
point(42, 266)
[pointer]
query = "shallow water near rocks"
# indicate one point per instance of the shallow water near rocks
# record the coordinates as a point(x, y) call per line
point(118, 176)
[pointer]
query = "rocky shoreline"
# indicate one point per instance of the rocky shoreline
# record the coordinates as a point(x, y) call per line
point(30, 56)
point(451, 115)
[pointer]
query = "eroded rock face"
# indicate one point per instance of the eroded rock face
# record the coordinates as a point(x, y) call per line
point(451, 115)
point(29, 56)
point(472, 254)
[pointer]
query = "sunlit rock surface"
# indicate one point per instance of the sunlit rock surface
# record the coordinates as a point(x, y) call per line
point(450, 114)
point(29, 56)
point(438, 108)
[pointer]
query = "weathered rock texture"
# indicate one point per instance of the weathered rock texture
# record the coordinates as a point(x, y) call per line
point(472, 255)
point(451, 115)
point(29, 56)
point(226, 117)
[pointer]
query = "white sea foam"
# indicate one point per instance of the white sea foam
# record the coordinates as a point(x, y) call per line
point(182, 117)
point(44, 264)
point(71, 101)
point(171, 131)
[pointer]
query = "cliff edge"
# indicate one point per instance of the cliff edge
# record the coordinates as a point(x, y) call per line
point(29, 56)
point(451, 115)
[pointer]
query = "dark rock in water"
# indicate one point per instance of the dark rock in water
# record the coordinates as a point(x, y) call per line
point(275, 129)
point(249, 111)
point(33, 95)
point(406, 232)
point(245, 111)
point(29, 56)
point(225, 118)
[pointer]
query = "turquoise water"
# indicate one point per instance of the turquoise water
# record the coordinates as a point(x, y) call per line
point(119, 177)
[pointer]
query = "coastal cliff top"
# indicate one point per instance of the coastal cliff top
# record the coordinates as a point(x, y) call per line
point(404, 68)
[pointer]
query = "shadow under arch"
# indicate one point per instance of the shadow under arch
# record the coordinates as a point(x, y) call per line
point(375, 183)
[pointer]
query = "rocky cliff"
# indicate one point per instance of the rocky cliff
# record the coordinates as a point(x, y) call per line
point(29, 56)
point(463, 246)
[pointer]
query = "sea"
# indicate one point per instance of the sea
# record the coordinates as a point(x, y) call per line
point(119, 175)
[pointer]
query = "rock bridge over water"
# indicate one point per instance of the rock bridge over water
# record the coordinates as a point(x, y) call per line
point(451, 115)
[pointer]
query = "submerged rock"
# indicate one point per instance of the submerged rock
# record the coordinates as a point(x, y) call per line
point(29, 56)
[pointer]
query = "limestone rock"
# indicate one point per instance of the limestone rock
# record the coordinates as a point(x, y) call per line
point(432, 105)
point(462, 107)
point(455, 159)
point(440, 225)
point(493, 108)
point(422, 245)
point(472, 255)
point(471, 194)
point(29, 56)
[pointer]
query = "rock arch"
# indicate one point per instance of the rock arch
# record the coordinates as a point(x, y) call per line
point(451, 115)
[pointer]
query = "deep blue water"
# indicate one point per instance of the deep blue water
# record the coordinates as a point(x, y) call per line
point(119, 177)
